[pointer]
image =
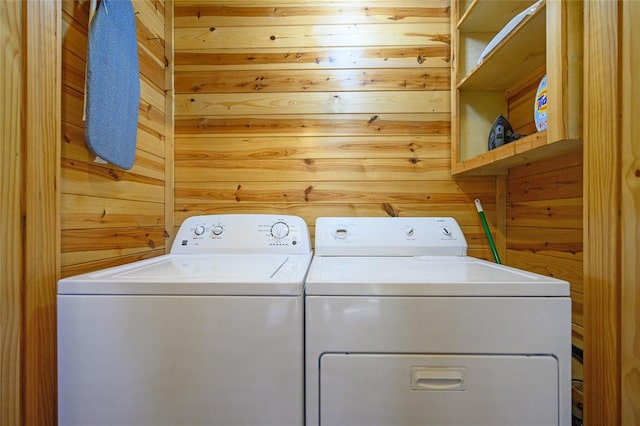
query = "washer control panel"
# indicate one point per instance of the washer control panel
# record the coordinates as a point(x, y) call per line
point(389, 236)
point(243, 234)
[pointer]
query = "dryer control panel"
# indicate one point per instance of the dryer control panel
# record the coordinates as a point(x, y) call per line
point(389, 236)
point(242, 234)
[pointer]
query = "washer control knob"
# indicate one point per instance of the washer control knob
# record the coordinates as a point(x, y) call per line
point(199, 230)
point(410, 232)
point(446, 231)
point(217, 230)
point(279, 230)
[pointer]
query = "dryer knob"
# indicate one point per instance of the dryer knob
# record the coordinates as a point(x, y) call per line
point(217, 230)
point(199, 230)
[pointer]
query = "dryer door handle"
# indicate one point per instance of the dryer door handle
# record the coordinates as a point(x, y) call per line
point(438, 378)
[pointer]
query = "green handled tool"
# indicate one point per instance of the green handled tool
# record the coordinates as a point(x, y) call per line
point(487, 231)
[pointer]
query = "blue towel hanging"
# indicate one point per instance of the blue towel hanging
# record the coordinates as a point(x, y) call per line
point(113, 83)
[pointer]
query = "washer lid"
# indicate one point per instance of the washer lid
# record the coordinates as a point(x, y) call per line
point(236, 275)
point(425, 276)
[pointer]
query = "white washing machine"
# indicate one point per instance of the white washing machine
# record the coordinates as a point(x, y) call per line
point(402, 328)
point(210, 334)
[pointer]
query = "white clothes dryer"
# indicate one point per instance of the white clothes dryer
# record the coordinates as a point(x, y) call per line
point(211, 333)
point(402, 328)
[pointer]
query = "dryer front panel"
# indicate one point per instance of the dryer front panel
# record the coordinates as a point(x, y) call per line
point(407, 390)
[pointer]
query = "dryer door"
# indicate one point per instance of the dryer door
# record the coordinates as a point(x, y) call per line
point(398, 389)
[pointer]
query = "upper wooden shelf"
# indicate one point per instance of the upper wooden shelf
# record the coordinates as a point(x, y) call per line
point(522, 48)
point(489, 17)
point(546, 42)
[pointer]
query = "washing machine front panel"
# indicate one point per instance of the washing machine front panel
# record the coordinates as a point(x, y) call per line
point(180, 360)
point(209, 334)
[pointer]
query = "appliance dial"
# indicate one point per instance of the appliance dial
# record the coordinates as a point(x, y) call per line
point(199, 230)
point(217, 230)
point(279, 230)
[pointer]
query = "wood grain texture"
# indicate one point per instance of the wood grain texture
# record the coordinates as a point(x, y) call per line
point(234, 104)
point(169, 142)
point(303, 58)
point(301, 147)
point(42, 131)
point(318, 109)
point(428, 193)
point(322, 80)
point(223, 13)
point(11, 195)
point(544, 221)
point(602, 258)
point(96, 198)
point(630, 223)
point(300, 36)
point(313, 170)
point(316, 125)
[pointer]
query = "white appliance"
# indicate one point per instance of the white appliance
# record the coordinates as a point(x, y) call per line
point(402, 328)
point(210, 334)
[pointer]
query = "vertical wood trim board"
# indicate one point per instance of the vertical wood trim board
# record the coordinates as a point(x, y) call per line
point(630, 178)
point(169, 145)
point(602, 257)
point(41, 130)
point(11, 243)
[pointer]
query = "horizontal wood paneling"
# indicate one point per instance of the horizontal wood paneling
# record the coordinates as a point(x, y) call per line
point(81, 212)
point(544, 220)
point(258, 14)
point(234, 104)
point(316, 125)
point(557, 242)
point(318, 109)
point(429, 193)
point(313, 58)
point(316, 80)
point(296, 36)
point(301, 147)
point(111, 216)
point(313, 170)
point(555, 213)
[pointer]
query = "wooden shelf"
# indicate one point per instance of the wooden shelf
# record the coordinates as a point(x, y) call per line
point(547, 42)
point(521, 49)
point(529, 149)
point(489, 17)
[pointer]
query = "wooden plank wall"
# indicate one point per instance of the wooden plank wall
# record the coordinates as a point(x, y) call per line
point(11, 195)
point(317, 109)
point(111, 216)
point(544, 232)
point(630, 223)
